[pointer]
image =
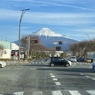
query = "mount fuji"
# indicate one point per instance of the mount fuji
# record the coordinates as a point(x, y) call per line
point(50, 39)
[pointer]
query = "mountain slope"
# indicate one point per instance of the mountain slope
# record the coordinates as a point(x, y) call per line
point(51, 39)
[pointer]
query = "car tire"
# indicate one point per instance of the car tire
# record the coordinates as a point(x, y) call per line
point(67, 65)
point(52, 65)
point(93, 68)
point(0, 66)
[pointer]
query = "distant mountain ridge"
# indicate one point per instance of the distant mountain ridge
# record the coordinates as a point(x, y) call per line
point(48, 39)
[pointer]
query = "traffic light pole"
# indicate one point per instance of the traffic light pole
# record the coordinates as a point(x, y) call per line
point(23, 12)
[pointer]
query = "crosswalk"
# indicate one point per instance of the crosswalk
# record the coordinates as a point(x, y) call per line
point(42, 62)
point(57, 92)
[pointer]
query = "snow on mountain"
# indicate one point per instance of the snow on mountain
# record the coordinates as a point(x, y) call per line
point(46, 32)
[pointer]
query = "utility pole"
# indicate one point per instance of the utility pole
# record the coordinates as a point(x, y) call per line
point(23, 12)
point(28, 47)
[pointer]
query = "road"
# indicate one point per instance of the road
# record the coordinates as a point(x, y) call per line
point(40, 79)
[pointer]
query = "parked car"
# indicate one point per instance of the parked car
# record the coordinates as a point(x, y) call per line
point(73, 59)
point(88, 60)
point(93, 65)
point(80, 59)
point(2, 64)
point(59, 61)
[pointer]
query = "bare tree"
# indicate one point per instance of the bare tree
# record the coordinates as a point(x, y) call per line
point(1, 50)
point(83, 47)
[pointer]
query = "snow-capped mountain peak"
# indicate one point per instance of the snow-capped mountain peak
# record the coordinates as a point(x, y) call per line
point(46, 32)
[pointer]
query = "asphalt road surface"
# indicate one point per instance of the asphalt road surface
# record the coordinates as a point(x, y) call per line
point(38, 78)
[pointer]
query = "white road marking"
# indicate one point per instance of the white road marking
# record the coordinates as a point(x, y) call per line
point(92, 92)
point(57, 93)
point(93, 78)
point(55, 79)
point(81, 74)
point(74, 93)
point(88, 76)
point(53, 76)
point(37, 93)
point(18, 93)
point(57, 83)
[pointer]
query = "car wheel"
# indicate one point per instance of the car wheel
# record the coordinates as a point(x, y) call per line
point(93, 68)
point(67, 64)
point(52, 65)
point(0, 66)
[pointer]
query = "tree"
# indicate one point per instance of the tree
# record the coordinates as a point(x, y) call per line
point(64, 54)
point(1, 50)
point(83, 47)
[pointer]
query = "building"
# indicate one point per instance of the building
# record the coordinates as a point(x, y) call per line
point(14, 51)
point(5, 54)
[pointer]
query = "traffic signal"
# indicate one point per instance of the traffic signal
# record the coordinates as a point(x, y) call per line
point(60, 42)
point(58, 48)
point(36, 41)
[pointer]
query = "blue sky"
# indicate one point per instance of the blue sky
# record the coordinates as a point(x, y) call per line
point(73, 18)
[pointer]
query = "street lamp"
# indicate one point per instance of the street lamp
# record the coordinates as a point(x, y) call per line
point(23, 12)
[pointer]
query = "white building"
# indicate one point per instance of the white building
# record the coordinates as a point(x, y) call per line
point(14, 46)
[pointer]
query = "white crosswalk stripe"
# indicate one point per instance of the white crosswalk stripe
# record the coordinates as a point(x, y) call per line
point(18, 93)
point(57, 92)
point(91, 92)
point(74, 93)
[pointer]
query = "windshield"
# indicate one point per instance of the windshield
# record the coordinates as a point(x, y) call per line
point(32, 32)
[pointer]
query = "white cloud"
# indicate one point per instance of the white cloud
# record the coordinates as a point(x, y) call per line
point(61, 18)
point(49, 18)
point(9, 14)
point(63, 3)
point(87, 30)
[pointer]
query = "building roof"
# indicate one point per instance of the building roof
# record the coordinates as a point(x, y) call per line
point(6, 44)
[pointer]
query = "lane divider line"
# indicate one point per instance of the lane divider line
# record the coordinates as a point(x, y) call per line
point(93, 78)
point(57, 83)
point(88, 76)
point(81, 74)
point(55, 79)
point(53, 76)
